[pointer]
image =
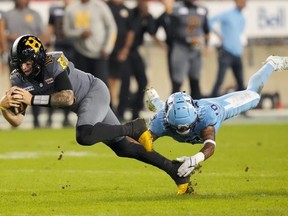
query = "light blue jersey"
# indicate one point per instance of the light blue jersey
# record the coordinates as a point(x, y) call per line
point(213, 111)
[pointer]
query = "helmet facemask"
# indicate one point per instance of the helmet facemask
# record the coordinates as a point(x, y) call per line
point(181, 114)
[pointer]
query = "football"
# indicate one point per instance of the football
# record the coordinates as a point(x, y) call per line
point(18, 110)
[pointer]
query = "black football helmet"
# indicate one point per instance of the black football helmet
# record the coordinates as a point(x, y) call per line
point(28, 47)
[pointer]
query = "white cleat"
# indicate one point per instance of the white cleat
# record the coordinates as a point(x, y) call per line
point(153, 101)
point(280, 63)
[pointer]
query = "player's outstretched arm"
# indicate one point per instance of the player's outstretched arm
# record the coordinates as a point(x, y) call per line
point(208, 137)
point(62, 98)
point(189, 163)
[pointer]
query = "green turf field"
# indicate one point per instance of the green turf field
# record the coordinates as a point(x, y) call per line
point(44, 172)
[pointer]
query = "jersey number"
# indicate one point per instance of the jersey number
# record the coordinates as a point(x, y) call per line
point(215, 109)
point(62, 61)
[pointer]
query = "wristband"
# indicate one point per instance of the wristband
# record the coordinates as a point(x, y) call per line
point(40, 100)
point(199, 157)
point(209, 141)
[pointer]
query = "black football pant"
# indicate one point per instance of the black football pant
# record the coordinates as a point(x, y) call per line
point(125, 148)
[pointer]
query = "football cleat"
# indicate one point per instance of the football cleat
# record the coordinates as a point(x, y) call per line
point(146, 141)
point(138, 130)
point(184, 185)
point(185, 188)
point(280, 63)
point(153, 101)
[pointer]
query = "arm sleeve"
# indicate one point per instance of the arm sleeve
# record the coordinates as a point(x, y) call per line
point(62, 81)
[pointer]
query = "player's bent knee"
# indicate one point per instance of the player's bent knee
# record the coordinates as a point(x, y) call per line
point(253, 97)
point(83, 135)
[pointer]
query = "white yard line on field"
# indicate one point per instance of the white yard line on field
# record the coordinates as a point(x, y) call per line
point(33, 155)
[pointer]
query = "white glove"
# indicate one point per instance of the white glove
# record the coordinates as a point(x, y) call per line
point(189, 164)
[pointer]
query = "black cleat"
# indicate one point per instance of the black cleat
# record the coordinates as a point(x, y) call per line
point(138, 130)
point(184, 185)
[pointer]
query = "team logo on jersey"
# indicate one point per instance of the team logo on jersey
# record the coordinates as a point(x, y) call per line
point(34, 44)
point(29, 88)
point(63, 61)
point(49, 80)
point(29, 18)
point(82, 19)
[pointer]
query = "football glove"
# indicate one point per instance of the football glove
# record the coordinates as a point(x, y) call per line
point(189, 164)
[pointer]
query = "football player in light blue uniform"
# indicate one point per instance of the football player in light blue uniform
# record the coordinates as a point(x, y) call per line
point(198, 121)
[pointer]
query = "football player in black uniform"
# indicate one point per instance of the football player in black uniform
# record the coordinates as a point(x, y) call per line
point(49, 79)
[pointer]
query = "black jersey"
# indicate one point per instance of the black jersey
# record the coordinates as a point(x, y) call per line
point(44, 83)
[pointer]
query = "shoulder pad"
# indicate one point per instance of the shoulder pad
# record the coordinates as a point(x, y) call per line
point(54, 53)
point(56, 62)
point(52, 57)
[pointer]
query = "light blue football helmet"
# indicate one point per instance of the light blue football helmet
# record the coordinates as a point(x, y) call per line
point(180, 112)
